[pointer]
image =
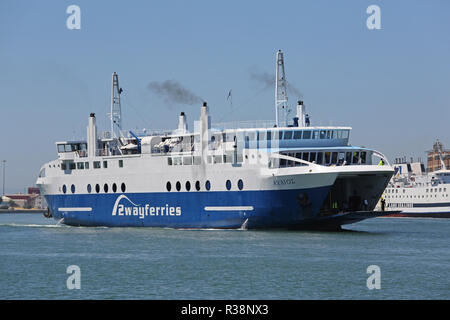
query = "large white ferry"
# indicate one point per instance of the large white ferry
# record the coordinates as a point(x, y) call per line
point(263, 174)
point(418, 193)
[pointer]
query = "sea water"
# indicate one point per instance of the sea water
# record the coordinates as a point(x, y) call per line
point(412, 256)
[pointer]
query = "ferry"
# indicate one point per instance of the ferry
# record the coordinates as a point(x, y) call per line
point(282, 173)
point(418, 193)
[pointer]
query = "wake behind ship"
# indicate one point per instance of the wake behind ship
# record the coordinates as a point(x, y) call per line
point(264, 174)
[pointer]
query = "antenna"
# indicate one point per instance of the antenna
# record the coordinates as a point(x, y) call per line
point(280, 92)
point(116, 113)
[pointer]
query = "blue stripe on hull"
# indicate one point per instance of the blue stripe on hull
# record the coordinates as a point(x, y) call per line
point(275, 208)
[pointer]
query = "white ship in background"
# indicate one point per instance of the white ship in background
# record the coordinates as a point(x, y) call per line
point(418, 193)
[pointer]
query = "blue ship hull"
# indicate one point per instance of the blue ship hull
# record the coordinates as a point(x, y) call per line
point(227, 209)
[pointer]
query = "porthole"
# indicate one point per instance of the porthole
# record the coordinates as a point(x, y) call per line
point(122, 187)
point(188, 186)
point(114, 188)
point(89, 188)
point(240, 184)
point(105, 188)
point(168, 186)
point(207, 185)
point(72, 188)
point(178, 186)
point(228, 184)
point(197, 185)
point(64, 188)
point(97, 188)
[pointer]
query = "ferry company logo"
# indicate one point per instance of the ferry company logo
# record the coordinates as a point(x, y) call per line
point(129, 208)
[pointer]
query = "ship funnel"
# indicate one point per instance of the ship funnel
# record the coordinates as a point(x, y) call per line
point(301, 113)
point(182, 125)
point(92, 136)
point(205, 125)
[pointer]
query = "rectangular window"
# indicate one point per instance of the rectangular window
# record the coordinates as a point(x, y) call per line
point(315, 134)
point(348, 157)
point(287, 135)
point(297, 135)
point(169, 161)
point(322, 134)
point(80, 165)
point(305, 156)
point(262, 135)
point(363, 157)
point(345, 134)
point(96, 164)
point(187, 160)
point(72, 166)
point(276, 135)
point(86, 165)
point(105, 164)
point(251, 135)
point(197, 160)
point(63, 166)
point(327, 157)
point(319, 157)
point(334, 157)
point(355, 157)
point(120, 163)
point(306, 134)
point(176, 161)
point(312, 157)
point(218, 159)
point(67, 148)
point(60, 148)
point(269, 135)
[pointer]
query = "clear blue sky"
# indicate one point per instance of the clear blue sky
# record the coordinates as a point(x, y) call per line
point(391, 85)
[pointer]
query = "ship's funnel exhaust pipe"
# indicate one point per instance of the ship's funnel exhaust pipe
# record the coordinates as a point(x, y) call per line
point(301, 114)
point(182, 125)
point(92, 136)
point(205, 125)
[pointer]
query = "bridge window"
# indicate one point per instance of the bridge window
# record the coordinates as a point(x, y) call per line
point(348, 157)
point(322, 134)
point(297, 134)
point(319, 157)
point(327, 157)
point(287, 135)
point(355, 157)
point(305, 156)
point(334, 156)
point(315, 134)
point(306, 134)
point(363, 156)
